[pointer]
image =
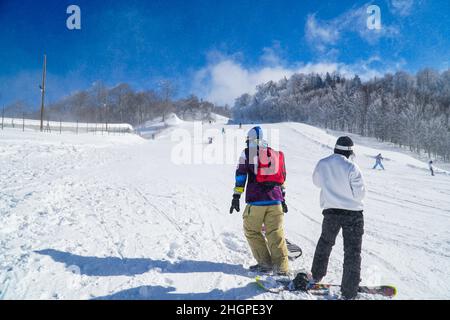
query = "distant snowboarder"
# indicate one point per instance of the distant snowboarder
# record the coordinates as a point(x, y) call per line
point(430, 165)
point(210, 140)
point(240, 125)
point(263, 169)
point(342, 191)
point(378, 162)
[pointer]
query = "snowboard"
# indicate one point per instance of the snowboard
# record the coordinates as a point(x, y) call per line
point(280, 285)
point(294, 251)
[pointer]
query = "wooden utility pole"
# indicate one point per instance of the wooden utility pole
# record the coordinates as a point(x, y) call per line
point(3, 113)
point(106, 115)
point(44, 70)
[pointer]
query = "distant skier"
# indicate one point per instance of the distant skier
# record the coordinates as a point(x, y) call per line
point(240, 125)
point(430, 165)
point(223, 130)
point(263, 169)
point(378, 160)
point(210, 140)
point(342, 192)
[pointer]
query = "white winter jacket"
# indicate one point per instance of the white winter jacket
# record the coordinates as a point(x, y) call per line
point(341, 182)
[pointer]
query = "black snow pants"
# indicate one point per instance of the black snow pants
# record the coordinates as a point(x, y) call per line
point(352, 224)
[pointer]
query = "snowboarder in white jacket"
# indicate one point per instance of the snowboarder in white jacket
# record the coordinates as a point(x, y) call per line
point(341, 198)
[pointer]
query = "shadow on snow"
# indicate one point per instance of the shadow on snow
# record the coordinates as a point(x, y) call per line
point(114, 266)
point(167, 293)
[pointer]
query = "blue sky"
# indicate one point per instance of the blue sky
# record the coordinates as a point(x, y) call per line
point(216, 49)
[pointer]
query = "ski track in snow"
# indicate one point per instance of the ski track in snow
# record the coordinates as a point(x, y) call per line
point(112, 217)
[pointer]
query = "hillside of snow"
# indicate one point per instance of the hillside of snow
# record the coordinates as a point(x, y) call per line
point(121, 217)
point(153, 128)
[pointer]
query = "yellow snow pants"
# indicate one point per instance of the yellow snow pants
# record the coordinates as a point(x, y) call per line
point(269, 251)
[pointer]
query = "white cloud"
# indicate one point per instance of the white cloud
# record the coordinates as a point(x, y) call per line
point(401, 7)
point(225, 79)
point(324, 35)
point(320, 34)
point(272, 55)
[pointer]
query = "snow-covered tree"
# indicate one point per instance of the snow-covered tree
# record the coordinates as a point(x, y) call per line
point(407, 110)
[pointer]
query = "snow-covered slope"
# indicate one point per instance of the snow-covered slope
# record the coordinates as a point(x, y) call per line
point(219, 119)
point(115, 217)
point(153, 127)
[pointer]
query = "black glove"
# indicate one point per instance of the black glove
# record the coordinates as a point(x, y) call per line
point(284, 205)
point(235, 203)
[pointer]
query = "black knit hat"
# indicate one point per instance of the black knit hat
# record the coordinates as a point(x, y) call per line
point(344, 144)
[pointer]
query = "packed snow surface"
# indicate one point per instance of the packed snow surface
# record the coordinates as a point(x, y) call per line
point(120, 217)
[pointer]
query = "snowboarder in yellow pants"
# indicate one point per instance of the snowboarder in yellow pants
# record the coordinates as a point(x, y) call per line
point(272, 253)
point(261, 172)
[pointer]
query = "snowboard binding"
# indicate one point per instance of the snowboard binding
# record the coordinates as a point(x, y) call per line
point(301, 282)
